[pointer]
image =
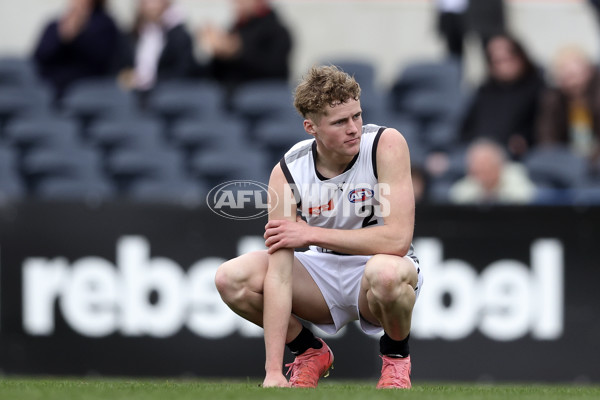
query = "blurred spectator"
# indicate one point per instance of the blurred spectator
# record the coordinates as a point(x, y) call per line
point(570, 111)
point(256, 47)
point(159, 46)
point(81, 43)
point(491, 179)
point(505, 104)
point(458, 18)
point(486, 19)
point(451, 24)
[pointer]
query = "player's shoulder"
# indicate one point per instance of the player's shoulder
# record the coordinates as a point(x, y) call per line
point(371, 129)
point(300, 149)
point(379, 131)
point(391, 137)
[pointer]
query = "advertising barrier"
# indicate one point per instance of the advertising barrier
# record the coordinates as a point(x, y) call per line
point(510, 294)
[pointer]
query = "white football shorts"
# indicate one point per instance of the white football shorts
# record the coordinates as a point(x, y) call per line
point(338, 277)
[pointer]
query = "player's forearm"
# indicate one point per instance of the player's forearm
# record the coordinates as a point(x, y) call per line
point(277, 307)
point(373, 240)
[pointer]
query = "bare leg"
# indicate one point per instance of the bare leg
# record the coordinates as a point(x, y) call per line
point(240, 284)
point(387, 294)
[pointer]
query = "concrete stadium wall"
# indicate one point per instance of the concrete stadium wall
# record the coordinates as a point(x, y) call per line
point(388, 32)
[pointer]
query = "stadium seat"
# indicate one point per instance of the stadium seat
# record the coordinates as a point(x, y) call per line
point(407, 124)
point(75, 189)
point(439, 191)
point(182, 191)
point(440, 135)
point(555, 167)
point(9, 159)
point(17, 72)
point(223, 130)
point(587, 195)
point(75, 162)
point(410, 127)
point(373, 105)
point(183, 99)
point(549, 196)
point(17, 101)
point(42, 131)
point(230, 164)
point(11, 185)
point(92, 99)
point(362, 71)
point(126, 132)
point(432, 74)
point(278, 135)
point(126, 166)
point(429, 90)
point(263, 99)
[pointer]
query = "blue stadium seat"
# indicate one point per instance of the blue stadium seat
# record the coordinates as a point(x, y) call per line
point(410, 128)
point(439, 191)
point(587, 196)
point(92, 99)
point(75, 189)
point(445, 74)
point(373, 100)
point(362, 71)
point(263, 99)
point(17, 101)
point(440, 135)
point(278, 135)
point(9, 158)
point(127, 132)
point(183, 99)
point(182, 191)
point(17, 72)
point(222, 130)
point(373, 104)
point(234, 163)
point(75, 162)
point(42, 131)
point(11, 184)
point(281, 132)
point(550, 196)
point(556, 167)
point(129, 165)
point(429, 90)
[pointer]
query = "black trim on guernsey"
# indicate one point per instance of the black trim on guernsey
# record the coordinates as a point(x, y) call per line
point(374, 154)
point(321, 177)
point(290, 179)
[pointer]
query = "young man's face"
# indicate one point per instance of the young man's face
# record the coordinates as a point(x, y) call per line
point(339, 131)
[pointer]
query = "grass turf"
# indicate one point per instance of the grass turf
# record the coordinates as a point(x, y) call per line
point(132, 389)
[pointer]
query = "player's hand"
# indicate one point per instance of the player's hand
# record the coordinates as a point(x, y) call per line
point(275, 380)
point(284, 234)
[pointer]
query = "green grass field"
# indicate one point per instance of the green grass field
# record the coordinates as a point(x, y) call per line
point(132, 389)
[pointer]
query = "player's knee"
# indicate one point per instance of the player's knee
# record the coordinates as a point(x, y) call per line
point(234, 275)
point(223, 278)
point(388, 278)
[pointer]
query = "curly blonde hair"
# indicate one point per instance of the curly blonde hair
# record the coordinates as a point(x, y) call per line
point(324, 86)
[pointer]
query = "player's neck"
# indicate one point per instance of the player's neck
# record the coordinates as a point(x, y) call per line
point(331, 165)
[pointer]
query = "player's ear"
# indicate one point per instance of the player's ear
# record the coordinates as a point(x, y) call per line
point(309, 127)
